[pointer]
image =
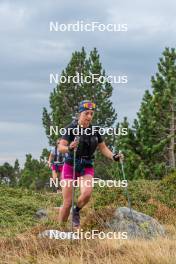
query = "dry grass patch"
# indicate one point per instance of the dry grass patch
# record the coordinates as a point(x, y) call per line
point(29, 249)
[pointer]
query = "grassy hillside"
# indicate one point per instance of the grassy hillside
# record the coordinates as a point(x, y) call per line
point(19, 227)
point(18, 207)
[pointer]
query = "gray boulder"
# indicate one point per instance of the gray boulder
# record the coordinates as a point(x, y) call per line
point(56, 234)
point(41, 214)
point(135, 224)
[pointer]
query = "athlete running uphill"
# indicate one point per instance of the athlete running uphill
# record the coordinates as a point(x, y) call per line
point(84, 161)
point(55, 162)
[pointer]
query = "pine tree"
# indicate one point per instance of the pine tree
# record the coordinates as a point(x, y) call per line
point(156, 124)
point(127, 144)
point(35, 174)
point(17, 170)
point(66, 96)
point(45, 155)
point(7, 175)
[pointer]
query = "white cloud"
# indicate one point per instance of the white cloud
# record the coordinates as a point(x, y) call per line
point(29, 53)
point(13, 18)
point(16, 127)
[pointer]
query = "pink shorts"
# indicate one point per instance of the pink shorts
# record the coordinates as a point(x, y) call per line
point(57, 167)
point(67, 172)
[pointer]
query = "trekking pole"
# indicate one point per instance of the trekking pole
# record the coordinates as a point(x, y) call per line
point(74, 176)
point(127, 194)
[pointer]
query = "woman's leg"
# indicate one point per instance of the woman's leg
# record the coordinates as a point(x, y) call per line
point(55, 178)
point(54, 175)
point(66, 184)
point(59, 173)
point(86, 188)
point(54, 172)
point(67, 201)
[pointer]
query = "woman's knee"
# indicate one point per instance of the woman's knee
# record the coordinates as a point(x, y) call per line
point(87, 194)
point(67, 204)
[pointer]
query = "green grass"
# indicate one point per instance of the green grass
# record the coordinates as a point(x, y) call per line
point(18, 207)
point(155, 198)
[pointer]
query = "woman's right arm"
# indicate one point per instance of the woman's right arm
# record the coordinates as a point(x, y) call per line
point(50, 159)
point(64, 148)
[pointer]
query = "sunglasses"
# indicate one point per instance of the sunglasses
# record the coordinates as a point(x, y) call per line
point(89, 105)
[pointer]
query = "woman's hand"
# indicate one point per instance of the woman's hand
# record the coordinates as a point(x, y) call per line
point(73, 145)
point(118, 156)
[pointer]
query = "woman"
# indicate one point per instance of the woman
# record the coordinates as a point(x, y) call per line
point(55, 162)
point(85, 149)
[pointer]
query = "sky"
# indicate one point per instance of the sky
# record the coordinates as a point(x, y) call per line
point(29, 52)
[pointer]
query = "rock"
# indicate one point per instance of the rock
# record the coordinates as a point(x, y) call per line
point(136, 224)
point(45, 233)
point(56, 234)
point(41, 214)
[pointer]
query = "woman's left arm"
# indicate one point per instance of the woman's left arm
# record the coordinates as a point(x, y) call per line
point(109, 154)
point(105, 150)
